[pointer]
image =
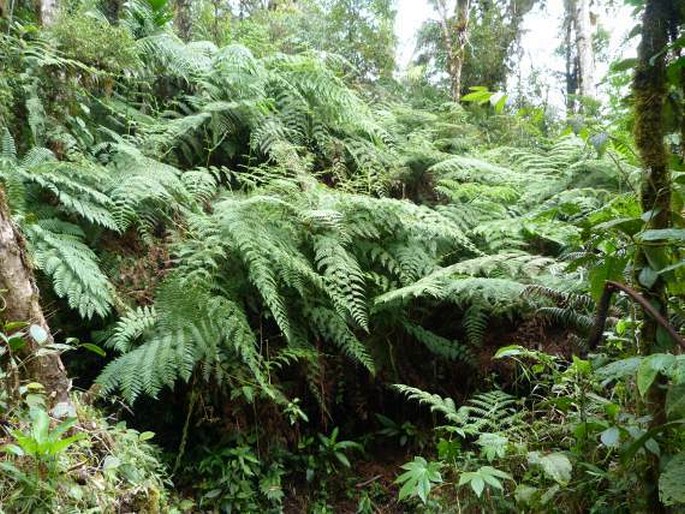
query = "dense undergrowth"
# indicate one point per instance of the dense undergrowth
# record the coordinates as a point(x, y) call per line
point(264, 256)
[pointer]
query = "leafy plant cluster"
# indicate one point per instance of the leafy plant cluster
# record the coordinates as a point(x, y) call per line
point(577, 437)
point(71, 459)
point(244, 227)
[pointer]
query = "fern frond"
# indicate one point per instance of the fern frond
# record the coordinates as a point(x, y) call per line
point(438, 345)
point(437, 403)
point(130, 328)
point(344, 278)
point(72, 266)
point(327, 324)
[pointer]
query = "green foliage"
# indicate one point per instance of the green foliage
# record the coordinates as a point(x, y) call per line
point(360, 32)
point(329, 234)
point(418, 479)
point(43, 443)
point(238, 217)
point(671, 481)
point(80, 464)
point(493, 31)
point(89, 38)
point(236, 480)
point(485, 476)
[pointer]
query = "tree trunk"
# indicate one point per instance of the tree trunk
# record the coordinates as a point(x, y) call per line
point(580, 58)
point(649, 92)
point(570, 55)
point(586, 57)
point(48, 10)
point(455, 32)
point(20, 294)
point(182, 20)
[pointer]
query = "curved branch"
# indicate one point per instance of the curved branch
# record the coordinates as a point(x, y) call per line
point(603, 307)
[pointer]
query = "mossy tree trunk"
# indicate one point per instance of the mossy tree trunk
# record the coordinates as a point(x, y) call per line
point(649, 91)
point(21, 303)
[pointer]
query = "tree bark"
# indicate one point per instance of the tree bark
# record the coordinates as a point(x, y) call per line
point(182, 19)
point(455, 32)
point(571, 61)
point(649, 92)
point(580, 57)
point(586, 57)
point(21, 301)
point(47, 11)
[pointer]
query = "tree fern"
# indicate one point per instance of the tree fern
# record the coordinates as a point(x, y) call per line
point(184, 335)
point(73, 267)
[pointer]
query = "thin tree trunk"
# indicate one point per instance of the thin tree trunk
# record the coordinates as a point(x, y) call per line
point(682, 117)
point(21, 301)
point(182, 19)
point(48, 10)
point(455, 32)
point(571, 63)
point(586, 56)
point(649, 92)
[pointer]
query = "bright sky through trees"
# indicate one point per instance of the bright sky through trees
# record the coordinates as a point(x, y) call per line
point(542, 36)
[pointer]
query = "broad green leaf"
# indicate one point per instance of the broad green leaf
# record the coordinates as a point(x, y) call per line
point(648, 277)
point(94, 348)
point(610, 437)
point(555, 465)
point(478, 484)
point(646, 439)
point(491, 480)
point(619, 369)
point(40, 425)
point(35, 400)
point(675, 402)
point(13, 449)
point(474, 480)
point(145, 436)
point(493, 445)
point(658, 257)
point(672, 481)
point(14, 325)
point(419, 478)
point(650, 367)
point(342, 458)
point(665, 234)
point(63, 427)
point(16, 342)
point(511, 350)
point(549, 494)
point(111, 462)
point(629, 226)
point(63, 444)
point(525, 493)
point(611, 268)
point(479, 97)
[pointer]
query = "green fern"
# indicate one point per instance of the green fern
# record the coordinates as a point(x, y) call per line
point(183, 335)
point(59, 252)
point(488, 412)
